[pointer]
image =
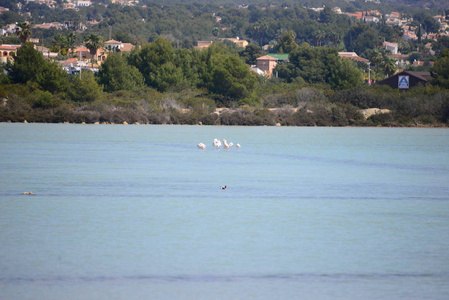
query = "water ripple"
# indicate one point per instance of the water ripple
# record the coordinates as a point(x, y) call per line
point(222, 278)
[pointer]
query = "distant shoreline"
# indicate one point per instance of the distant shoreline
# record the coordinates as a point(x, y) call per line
point(152, 124)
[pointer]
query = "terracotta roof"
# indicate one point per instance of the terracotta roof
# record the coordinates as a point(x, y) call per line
point(352, 56)
point(82, 49)
point(266, 57)
point(127, 47)
point(9, 47)
point(358, 15)
point(112, 42)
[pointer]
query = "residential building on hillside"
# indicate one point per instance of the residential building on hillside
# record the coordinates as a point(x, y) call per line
point(68, 6)
point(392, 47)
point(240, 43)
point(203, 44)
point(352, 56)
point(267, 63)
point(357, 15)
point(82, 3)
point(337, 10)
point(74, 65)
point(46, 52)
point(122, 47)
point(370, 19)
point(407, 80)
point(10, 28)
point(402, 60)
point(7, 52)
point(56, 25)
point(409, 35)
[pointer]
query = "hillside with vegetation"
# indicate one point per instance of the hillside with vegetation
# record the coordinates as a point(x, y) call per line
point(165, 79)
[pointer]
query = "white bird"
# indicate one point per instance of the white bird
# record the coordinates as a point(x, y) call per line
point(237, 145)
point(201, 146)
point(216, 144)
point(231, 144)
point(225, 144)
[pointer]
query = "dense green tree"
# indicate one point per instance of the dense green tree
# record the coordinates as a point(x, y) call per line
point(430, 25)
point(156, 63)
point(10, 17)
point(230, 77)
point(286, 42)
point(320, 65)
point(116, 74)
point(84, 87)
point(327, 15)
point(29, 65)
point(53, 79)
point(189, 61)
point(251, 53)
point(362, 37)
point(441, 44)
point(345, 75)
point(314, 64)
point(441, 70)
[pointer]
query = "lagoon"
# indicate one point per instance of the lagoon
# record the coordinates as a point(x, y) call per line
point(137, 212)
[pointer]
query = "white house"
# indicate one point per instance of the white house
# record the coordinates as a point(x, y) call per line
point(392, 47)
point(82, 3)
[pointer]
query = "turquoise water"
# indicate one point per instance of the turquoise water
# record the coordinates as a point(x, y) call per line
point(137, 212)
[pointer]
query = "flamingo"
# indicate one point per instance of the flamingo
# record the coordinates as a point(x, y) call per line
point(231, 144)
point(225, 144)
point(237, 145)
point(201, 146)
point(216, 144)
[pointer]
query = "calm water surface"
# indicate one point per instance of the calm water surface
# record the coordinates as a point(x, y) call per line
point(137, 212)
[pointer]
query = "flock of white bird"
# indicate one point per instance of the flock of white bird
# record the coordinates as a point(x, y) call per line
point(217, 145)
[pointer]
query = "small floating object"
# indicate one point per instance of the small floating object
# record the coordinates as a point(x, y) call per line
point(201, 146)
point(27, 193)
point(224, 187)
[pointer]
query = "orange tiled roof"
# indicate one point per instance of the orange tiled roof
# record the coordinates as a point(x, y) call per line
point(266, 57)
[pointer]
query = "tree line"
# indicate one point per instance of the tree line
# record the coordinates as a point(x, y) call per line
point(158, 84)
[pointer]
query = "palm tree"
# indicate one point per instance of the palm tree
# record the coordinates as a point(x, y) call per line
point(71, 40)
point(93, 42)
point(389, 65)
point(319, 36)
point(259, 31)
point(59, 41)
point(23, 31)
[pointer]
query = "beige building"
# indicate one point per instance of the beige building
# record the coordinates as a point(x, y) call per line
point(266, 64)
point(7, 52)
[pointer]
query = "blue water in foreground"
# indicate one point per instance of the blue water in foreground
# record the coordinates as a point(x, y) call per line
point(137, 212)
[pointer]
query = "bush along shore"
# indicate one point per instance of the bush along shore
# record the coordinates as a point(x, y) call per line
point(299, 105)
